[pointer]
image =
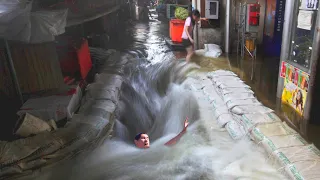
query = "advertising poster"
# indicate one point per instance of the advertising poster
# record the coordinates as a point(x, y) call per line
point(294, 93)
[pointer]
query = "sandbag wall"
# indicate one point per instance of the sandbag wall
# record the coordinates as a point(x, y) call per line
point(88, 128)
point(238, 111)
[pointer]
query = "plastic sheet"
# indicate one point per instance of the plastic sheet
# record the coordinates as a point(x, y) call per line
point(45, 25)
point(217, 79)
point(15, 20)
point(210, 51)
point(197, 86)
point(210, 91)
point(271, 129)
point(304, 170)
point(251, 109)
point(235, 130)
point(31, 125)
point(95, 122)
point(274, 143)
point(238, 96)
point(223, 119)
point(242, 102)
point(227, 91)
point(18, 23)
point(220, 73)
point(218, 111)
point(261, 118)
point(103, 94)
point(51, 107)
point(98, 108)
point(231, 84)
point(108, 79)
point(301, 162)
point(12, 152)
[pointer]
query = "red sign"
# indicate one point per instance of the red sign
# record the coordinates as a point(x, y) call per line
point(283, 70)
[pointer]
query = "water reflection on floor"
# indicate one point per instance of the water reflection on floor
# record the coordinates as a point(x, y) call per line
point(146, 39)
point(262, 76)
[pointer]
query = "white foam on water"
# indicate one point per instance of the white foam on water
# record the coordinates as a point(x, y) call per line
point(204, 152)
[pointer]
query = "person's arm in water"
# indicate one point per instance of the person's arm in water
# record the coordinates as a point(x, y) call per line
point(176, 139)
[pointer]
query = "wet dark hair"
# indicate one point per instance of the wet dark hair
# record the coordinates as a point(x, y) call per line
point(195, 13)
point(138, 136)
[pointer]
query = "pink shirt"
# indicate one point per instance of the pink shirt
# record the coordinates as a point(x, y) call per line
point(186, 25)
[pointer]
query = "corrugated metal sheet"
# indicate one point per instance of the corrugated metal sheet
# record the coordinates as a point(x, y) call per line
point(6, 84)
point(37, 67)
point(82, 10)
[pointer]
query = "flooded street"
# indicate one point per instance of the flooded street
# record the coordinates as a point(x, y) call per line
point(153, 100)
point(128, 106)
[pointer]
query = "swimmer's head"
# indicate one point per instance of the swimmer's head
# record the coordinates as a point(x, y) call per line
point(142, 141)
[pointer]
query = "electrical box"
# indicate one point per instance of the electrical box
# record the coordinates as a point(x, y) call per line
point(252, 17)
point(212, 9)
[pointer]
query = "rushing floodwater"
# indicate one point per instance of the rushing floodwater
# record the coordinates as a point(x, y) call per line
point(154, 101)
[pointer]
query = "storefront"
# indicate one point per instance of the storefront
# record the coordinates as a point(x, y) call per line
point(299, 62)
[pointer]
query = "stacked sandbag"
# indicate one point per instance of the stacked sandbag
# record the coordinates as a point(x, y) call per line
point(232, 93)
point(88, 128)
point(243, 114)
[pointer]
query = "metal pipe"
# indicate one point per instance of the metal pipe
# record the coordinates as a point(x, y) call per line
point(13, 71)
point(227, 28)
point(196, 38)
point(286, 40)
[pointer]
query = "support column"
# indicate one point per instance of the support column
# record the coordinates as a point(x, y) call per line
point(227, 28)
point(313, 70)
point(286, 40)
point(196, 37)
point(13, 72)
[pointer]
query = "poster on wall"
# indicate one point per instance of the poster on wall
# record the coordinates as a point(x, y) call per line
point(305, 19)
point(296, 84)
point(309, 4)
point(294, 93)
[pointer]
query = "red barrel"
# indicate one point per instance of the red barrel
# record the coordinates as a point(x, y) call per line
point(176, 29)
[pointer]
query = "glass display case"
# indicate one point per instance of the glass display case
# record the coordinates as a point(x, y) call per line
point(303, 34)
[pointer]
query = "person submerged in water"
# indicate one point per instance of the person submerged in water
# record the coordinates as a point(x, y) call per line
point(142, 139)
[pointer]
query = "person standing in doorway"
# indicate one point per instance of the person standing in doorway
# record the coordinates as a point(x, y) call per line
point(187, 35)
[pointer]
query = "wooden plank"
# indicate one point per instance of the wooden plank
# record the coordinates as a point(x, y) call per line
point(203, 8)
point(6, 83)
point(37, 67)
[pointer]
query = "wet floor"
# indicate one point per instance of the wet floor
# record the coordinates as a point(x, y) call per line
point(207, 152)
point(147, 39)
